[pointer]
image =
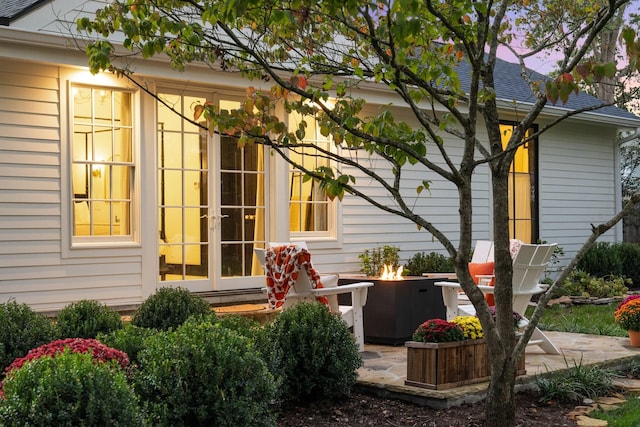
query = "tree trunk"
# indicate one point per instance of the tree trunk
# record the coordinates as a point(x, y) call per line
point(500, 407)
point(500, 403)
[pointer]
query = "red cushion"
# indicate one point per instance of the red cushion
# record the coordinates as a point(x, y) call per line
point(484, 268)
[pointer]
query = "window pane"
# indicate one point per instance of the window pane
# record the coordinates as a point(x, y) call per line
point(193, 225)
point(250, 188)
point(173, 224)
point(82, 106)
point(188, 109)
point(100, 214)
point(231, 188)
point(82, 143)
point(167, 119)
point(231, 260)
point(80, 174)
point(122, 109)
point(81, 219)
point(103, 106)
point(230, 154)
point(120, 182)
point(192, 188)
point(172, 188)
point(231, 227)
point(121, 217)
point(194, 151)
point(249, 223)
point(122, 149)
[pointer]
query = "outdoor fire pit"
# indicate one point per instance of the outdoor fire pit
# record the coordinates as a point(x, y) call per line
point(396, 307)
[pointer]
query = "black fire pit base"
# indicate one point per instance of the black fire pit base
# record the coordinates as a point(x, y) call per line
point(395, 308)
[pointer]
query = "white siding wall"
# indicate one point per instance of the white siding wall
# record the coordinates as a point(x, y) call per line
point(366, 227)
point(578, 181)
point(576, 188)
point(32, 267)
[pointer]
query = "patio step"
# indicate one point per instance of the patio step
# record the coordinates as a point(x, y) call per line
point(260, 312)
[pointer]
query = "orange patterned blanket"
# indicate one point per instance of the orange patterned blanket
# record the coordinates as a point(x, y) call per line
point(282, 265)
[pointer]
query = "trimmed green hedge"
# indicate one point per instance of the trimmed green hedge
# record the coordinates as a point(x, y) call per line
point(314, 352)
point(613, 259)
point(169, 308)
point(22, 329)
point(203, 374)
point(70, 389)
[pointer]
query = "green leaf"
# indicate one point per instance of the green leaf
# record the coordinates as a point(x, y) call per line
point(610, 70)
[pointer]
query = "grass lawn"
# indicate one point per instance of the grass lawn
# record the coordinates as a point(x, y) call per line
point(585, 319)
point(625, 416)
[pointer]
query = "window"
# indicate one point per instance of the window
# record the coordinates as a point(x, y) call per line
point(523, 192)
point(310, 210)
point(102, 163)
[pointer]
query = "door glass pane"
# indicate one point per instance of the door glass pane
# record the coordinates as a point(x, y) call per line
point(231, 259)
point(231, 229)
point(183, 192)
point(231, 188)
point(242, 202)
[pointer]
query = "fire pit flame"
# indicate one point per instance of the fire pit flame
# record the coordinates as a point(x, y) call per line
point(389, 273)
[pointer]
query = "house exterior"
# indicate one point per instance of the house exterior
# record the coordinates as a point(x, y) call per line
point(107, 194)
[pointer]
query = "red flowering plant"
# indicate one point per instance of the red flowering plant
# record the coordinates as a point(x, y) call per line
point(627, 315)
point(627, 299)
point(438, 330)
point(99, 351)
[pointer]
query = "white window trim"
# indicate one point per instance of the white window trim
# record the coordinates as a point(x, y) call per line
point(98, 246)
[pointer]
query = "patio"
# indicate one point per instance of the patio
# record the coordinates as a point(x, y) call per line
point(384, 369)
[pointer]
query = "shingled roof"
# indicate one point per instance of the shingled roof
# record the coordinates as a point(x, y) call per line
point(508, 83)
point(510, 86)
point(12, 9)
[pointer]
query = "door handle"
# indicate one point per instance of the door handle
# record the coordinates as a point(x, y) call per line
point(214, 220)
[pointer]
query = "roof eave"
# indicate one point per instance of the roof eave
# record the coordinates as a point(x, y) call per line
point(590, 116)
point(6, 20)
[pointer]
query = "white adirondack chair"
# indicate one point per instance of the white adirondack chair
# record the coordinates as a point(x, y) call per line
point(528, 266)
point(303, 291)
point(483, 251)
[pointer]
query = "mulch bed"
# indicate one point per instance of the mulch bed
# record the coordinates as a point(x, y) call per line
point(365, 410)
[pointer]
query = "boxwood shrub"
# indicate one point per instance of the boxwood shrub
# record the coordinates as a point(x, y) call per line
point(204, 374)
point(129, 339)
point(313, 351)
point(433, 262)
point(86, 319)
point(68, 390)
point(170, 308)
point(613, 259)
point(243, 325)
point(21, 329)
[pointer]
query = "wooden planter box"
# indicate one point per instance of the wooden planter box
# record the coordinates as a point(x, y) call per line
point(449, 364)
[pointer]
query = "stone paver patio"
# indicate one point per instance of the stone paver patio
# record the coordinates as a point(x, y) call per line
point(384, 369)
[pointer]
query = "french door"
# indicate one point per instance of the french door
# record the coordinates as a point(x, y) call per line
point(211, 202)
